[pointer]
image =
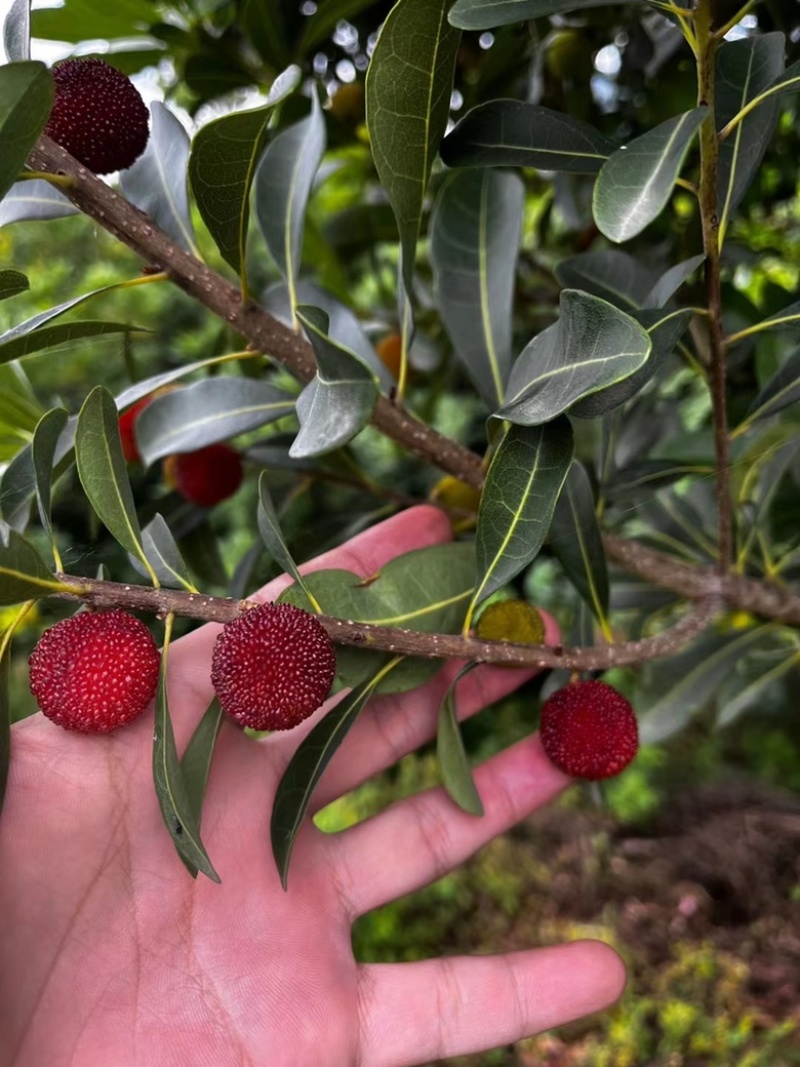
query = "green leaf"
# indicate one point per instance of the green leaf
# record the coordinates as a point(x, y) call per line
point(518, 500)
point(26, 98)
point(575, 539)
point(18, 485)
point(636, 182)
point(11, 283)
point(592, 346)
point(103, 473)
point(23, 573)
point(283, 184)
point(786, 318)
point(452, 756)
point(209, 411)
point(164, 555)
point(17, 33)
point(752, 695)
point(34, 200)
point(271, 534)
point(613, 276)
point(745, 68)
point(265, 24)
point(177, 810)
point(157, 181)
point(196, 760)
point(486, 14)
point(5, 720)
point(222, 165)
point(62, 333)
point(475, 233)
point(339, 400)
point(43, 451)
point(408, 88)
point(80, 20)
point(306, 767)
point(509, 133)
point(789, 81)
point(781, 390)
point(670, 281)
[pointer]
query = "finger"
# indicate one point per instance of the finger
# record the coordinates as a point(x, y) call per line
point(418, 840)
point(190, 657)
point(417, 1013)
point(393, 726)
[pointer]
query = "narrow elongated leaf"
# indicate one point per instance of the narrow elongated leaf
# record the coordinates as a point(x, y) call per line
point(23, 573)
point(164, 555)
point(306, 767)
point(43, 317)
point(157, 181)
point(43, 451)
point(11, 283)
point(636, 182)
point(509, 133)
point(34, 200)
point(781, 390)
point(283, 185)
point(745, 68)
point(338, 402)
point(614, 276)
point(222, 165)
point(752, 695)
point(18, 484)
point(670, 281)
point(452, 756)
point(62, 333)
point(208, 411)
point(789, 81)
point(17, 31)
point(82, 19)
point(575, 539)
point(271, 534)
point(173, 799)
point(475, 233)
point(102, 470)
point(196, 760)
point(26, 98)
point(522, 486)
point(785, 319)
point(408, 88)
point(265, 22)
point(592, 346)
point(486, 14)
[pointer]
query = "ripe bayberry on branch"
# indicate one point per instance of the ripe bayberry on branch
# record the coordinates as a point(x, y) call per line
point(205, 477)
point(272, 667)
point(98, 115)
point(96, 671)
point(589, 730)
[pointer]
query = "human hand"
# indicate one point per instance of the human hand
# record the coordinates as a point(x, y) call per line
point(112, 956)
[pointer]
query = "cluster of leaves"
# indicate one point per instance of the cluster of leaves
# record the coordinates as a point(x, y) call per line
point(589, 370)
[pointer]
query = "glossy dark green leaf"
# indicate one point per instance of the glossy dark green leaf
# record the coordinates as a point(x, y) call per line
point(592, 346)
point(665, 329)
point(338, 402)
point(177, 810)
point(613, 276)
point(146, 386)
point(475, 233)
point(452, 756)
point(208, 411)
point(196, 760)
point(306, 767)
point(36, 322)
point(408, 88)
point(26, 98)
point(5, 720)
point(23, 573)
point(789, 81)
point(486, 14)
point(17, 31)
point(272, 535)
point(81, 20)
point(670, 281)
point(12, 282)
point(157, 181)
point(781, 390)
point(43, 451)
point(635, 183)
point(102, 470)
point(62, 333)
point(222, 165)
point(266, 25)
point(649, 475)
point(522, 486)
point(164, 555)
point(745, 68)
point(18, 483)
point(34, 200)
point(575, 539)
point(785, 319)
point(509, 133)
point(283, 183)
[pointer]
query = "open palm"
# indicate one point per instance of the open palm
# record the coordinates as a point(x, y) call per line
point(112, 956)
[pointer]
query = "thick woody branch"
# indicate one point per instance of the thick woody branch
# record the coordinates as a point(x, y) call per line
point(162, 602)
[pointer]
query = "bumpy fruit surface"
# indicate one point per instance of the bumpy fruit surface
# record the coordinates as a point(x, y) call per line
point(98, 115)
point(511, 620)
point(272, 667)
point(127, 427)
point(96, 671)
point(204, 477)
point(589, 730)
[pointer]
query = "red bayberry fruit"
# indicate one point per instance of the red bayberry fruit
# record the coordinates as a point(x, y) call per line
point(589, 730)
point(204, 477)
point(98, 115)
point(127, 428)
point(272, 667)
point(95, 671)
